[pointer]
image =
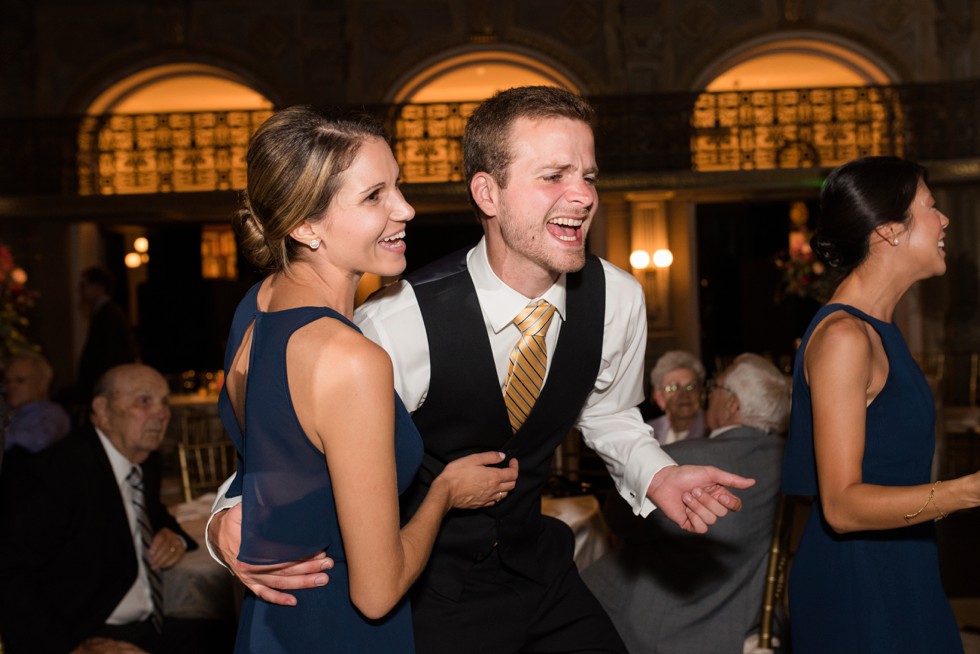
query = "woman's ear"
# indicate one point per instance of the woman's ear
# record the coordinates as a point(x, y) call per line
point(305, 233)
point(890, 232)
point(485, 193)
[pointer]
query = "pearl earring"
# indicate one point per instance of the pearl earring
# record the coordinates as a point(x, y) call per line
point(315, 243)
point(894, 241)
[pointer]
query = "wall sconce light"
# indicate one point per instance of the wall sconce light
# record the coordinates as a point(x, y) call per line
point(140, 254)
point(650, 259)
point(663, 258)
point(641, 259)
point(651, 271)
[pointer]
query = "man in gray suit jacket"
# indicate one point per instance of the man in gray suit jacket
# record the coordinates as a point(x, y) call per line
point(671, 592)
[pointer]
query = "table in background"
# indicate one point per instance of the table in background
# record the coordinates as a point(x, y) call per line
point(583, 515)
point(198, 586)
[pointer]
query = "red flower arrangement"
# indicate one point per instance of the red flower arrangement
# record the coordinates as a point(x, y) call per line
point(16, 301)
point(804, 275)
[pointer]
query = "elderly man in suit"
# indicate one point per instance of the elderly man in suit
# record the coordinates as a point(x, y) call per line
point(670, 592)
point(83, 534)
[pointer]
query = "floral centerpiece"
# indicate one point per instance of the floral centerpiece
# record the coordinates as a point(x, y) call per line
point(16, 301)
point(803, 275)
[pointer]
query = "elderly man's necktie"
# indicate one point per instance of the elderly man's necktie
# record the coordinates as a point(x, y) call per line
point(135, 479)
point(528, 360)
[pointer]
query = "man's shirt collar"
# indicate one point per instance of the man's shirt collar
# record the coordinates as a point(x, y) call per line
point(499, 301)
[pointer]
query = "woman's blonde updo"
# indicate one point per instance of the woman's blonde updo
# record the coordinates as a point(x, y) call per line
point(296, 161)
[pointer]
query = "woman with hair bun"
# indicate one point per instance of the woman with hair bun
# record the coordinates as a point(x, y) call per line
point(325, 445)
point(866, 575)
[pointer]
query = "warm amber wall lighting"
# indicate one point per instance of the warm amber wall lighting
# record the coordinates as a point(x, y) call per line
point(663, 258)
point(640, 259)
point(141, 244)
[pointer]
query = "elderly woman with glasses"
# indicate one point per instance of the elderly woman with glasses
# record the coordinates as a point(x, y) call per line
point(676, 386)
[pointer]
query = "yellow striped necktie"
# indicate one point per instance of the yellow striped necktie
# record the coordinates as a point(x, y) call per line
point(528, 359)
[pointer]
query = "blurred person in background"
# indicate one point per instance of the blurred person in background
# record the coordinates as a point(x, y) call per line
point(676, 386)
point(670, 592)
point(35, 422)
point(110, 340)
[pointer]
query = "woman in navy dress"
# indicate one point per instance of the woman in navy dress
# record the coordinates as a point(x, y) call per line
point(866, 575)
point(325, 444)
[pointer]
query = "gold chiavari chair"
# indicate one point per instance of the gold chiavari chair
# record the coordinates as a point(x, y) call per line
point(207, 455)
point(791, 515)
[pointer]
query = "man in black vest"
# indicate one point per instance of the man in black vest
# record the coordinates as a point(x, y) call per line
point(502, 579)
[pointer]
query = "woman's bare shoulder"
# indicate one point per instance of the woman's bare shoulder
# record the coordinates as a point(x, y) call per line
point(840, 328)
point(331, 347)
point(839, 343)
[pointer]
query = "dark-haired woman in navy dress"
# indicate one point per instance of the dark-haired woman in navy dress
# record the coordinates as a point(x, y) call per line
point(866, 576)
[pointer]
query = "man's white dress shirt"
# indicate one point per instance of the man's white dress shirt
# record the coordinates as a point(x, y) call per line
point(137, 604)
point(609, 421)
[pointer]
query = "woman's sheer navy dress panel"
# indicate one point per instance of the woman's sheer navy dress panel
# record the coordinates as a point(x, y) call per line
point(289, 511)
point(244, 315)
point(873, 591)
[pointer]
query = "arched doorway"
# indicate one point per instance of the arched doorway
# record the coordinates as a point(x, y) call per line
point(475, 76)
point(794, 102)
point(783, 102)
point(177, 127)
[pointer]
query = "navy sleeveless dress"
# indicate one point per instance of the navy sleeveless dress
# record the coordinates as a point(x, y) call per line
point(873, 591)
point(289, 511)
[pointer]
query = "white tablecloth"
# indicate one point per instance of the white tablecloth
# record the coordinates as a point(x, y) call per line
point(198, 587)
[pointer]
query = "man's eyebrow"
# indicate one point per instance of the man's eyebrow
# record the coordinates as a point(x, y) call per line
point(591, 170)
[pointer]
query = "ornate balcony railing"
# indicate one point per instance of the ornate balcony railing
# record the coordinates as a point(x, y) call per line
point(163, 153)
point(794, 128)
point(700, 132)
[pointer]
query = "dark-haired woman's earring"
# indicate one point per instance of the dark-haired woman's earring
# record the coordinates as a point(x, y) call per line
point(894, 241)
point(315, 243)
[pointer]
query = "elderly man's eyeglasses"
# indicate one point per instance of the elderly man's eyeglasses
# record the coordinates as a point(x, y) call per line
point(686, 388)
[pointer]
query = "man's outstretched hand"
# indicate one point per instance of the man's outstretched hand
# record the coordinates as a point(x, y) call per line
point(266, 581)
point(696, 496)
